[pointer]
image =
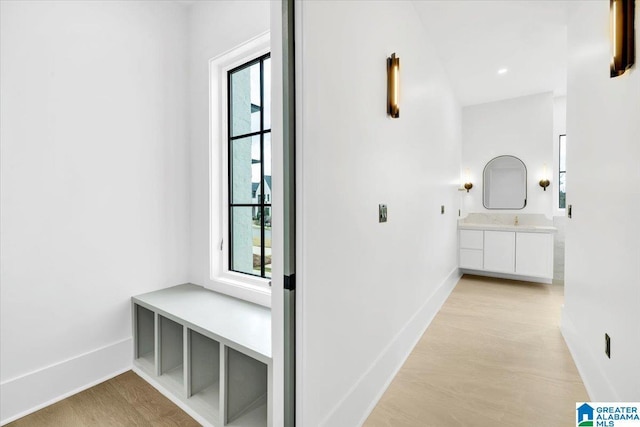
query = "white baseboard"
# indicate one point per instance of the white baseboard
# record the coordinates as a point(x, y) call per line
point(355, 407)
point(596, 383)
point(33, 391)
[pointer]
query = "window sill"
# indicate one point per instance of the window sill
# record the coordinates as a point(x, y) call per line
point(247, 289)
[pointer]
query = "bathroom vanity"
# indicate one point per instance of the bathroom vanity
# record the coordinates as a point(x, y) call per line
point(492, 248)
point(507, 245)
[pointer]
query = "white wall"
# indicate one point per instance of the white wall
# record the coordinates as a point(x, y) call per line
point(368, 290)
point(521, 127)
point(215, 27)
point(602, 292)
point(94, 185)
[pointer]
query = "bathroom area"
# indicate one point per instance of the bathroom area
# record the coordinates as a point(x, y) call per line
point(512, 189)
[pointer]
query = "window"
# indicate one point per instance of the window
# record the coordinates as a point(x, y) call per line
point(562, 201)
point(249, 167)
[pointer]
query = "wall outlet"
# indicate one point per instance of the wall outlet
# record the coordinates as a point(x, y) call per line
point(607, 345)
point(442, 209)
point(382, 213)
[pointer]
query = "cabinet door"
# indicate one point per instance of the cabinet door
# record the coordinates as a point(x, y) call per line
point(499, 251)
point(534, 254)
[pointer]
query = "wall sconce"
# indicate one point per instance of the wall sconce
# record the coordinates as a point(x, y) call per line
point(622, 13)
point(544, 182)
point(393, 86)
point(467, 184)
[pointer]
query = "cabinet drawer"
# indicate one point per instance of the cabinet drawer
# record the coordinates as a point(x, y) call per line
point(471, 239)
point(471, 258)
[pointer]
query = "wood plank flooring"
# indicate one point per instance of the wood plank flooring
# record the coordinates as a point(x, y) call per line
point(126, 400)
point(493, 356)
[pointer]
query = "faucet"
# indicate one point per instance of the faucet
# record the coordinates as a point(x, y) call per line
point(515, 222)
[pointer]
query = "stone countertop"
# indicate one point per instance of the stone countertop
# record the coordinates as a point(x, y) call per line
point(504, 227)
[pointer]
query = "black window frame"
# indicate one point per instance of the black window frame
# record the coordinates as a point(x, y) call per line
point(262, 206)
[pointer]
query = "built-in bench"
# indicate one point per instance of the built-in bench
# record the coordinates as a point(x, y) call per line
point(208, 352)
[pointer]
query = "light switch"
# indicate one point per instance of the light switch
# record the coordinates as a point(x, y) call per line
point(382, 213)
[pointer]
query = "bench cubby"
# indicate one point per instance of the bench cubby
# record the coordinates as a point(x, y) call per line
point(207, 352)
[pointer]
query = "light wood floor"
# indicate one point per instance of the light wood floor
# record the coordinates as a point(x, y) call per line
point(126, 400)
point(493, 356)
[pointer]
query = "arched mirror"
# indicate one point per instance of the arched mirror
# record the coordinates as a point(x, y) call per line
point(505, 183)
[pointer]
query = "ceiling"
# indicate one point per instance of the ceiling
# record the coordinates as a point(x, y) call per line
point(476, 38)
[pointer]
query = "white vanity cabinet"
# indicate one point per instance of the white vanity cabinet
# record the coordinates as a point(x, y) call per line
point(522, 253)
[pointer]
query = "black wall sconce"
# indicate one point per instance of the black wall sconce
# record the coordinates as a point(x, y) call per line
point(622, 15)
point(393, 86)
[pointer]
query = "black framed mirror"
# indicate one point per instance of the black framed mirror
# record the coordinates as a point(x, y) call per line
point(504, 183)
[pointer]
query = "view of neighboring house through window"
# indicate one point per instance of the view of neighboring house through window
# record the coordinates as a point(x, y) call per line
point(250, 167)
point(563, 171)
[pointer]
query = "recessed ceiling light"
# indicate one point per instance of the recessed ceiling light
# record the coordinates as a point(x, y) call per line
point(502, 71)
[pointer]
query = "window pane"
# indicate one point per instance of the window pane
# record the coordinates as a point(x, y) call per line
point(250, 169)
point(245, 100)
point(267, 93)
point(563, 192)
point(562, 195)
point(563, 153)
point(245, 170)
point(267, 242)
point(245, 240)
point(267, 167)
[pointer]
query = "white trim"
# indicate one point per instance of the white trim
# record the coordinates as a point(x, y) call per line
point(239, 285)
point(354, 408)
point(301, 329)
point(35, 390)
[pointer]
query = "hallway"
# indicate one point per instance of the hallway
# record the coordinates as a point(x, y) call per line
point(492, 356)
